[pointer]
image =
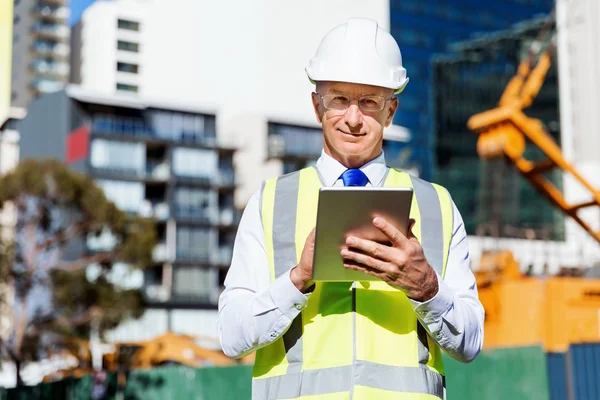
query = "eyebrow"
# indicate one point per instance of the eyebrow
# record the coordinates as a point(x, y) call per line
point(335, 91)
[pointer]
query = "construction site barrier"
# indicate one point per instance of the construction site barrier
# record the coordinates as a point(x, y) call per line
point(518, 373)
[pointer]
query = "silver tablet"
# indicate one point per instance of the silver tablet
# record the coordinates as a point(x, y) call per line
point(345, 211)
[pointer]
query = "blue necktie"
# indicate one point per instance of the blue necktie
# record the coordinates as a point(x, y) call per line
point(354, 177)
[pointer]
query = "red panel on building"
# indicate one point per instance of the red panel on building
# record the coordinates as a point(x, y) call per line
point(78, 144)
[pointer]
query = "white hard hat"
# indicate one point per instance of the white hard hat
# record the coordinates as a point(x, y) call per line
point(359, 51)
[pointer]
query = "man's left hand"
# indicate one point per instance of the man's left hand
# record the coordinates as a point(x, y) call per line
point(402, 265)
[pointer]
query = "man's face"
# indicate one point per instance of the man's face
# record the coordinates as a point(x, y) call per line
point(353, 136)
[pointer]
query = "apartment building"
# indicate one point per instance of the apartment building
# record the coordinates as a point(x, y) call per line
point(159, 160)
point(40, 49)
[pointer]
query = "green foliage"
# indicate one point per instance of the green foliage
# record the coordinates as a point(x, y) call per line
point(76, 300)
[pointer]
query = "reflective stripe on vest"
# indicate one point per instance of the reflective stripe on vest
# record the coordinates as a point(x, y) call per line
point(360, 340)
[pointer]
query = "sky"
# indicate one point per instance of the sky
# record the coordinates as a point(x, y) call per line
point(77, 7)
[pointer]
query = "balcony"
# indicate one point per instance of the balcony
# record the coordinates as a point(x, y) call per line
point(41, 85)
point(138, 127)
point(51, 31)
point(153, 171)
point(158, 170)
point(46, 50)
point(295, 147)
point(203, 180)
point(55, 69)
point(154, 209)
point(196, 215)
point(54, 2)
point(112, 171)
point(157, 293)
point(56, 13)
point(195, 256)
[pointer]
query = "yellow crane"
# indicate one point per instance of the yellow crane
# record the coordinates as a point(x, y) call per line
point(521, 310)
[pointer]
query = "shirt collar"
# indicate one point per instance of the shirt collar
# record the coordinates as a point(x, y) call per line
point(331, 169)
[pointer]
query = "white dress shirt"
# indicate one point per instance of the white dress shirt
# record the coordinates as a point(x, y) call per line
point(254, 312)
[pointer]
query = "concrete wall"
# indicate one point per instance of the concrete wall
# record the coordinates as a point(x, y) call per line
point(45, 128)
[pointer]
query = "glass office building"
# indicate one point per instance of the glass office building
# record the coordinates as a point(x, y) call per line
point(423, 28)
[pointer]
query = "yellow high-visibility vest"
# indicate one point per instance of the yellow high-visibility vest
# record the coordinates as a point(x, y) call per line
point(352, 341)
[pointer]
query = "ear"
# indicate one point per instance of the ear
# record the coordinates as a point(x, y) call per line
point(393, 106)
point(316, 104)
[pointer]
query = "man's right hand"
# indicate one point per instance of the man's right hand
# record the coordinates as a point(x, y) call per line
point(301, 274)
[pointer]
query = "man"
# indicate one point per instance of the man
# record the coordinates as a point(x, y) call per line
point(361, 340)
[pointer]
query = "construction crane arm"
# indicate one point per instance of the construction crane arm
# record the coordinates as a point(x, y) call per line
point(505, 131)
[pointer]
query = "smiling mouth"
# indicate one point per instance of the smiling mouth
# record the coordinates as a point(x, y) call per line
point(352, 134)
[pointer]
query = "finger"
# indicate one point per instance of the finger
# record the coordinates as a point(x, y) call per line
point(395, 236)
point(370, 247)
point(362, 268)
point(366, 260)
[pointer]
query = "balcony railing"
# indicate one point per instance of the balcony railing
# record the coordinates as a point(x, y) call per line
point(300, 146)
point(196, 215)
point(57, 13)
point(191, 256)
point(157, 293)
point(154, 209)
point(59, 50)
point(53, 31)
point(46, 85)
point(57, 69)
point(132, 127)
point(157, 171)
point(54, 2)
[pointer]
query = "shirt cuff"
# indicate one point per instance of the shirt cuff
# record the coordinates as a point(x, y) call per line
point(432, 310)
point(286, 297)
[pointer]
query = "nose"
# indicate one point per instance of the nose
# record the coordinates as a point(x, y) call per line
point(353, 116)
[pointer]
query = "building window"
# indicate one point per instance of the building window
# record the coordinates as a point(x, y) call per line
point(195, 244)
point(128, 196)
point(16, 38)
point(127, 88)
point(197, 204)
point(129, 25)
point(127, 67)
point(118, 157)
point(197, 284)
point(127, 46)
point(294, 140)
point(197, 163)
point(16, 19)
point(185, 127)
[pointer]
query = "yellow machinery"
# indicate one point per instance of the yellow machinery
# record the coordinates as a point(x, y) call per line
point(522, 310)
point(167, 349)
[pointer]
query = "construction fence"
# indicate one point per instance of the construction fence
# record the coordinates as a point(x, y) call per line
point(520, 373)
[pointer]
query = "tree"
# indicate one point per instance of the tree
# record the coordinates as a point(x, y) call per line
point(47, 261)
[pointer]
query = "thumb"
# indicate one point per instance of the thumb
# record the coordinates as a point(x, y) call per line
point(311, 236)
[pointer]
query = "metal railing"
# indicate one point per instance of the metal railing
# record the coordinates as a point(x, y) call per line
point(60, 13)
